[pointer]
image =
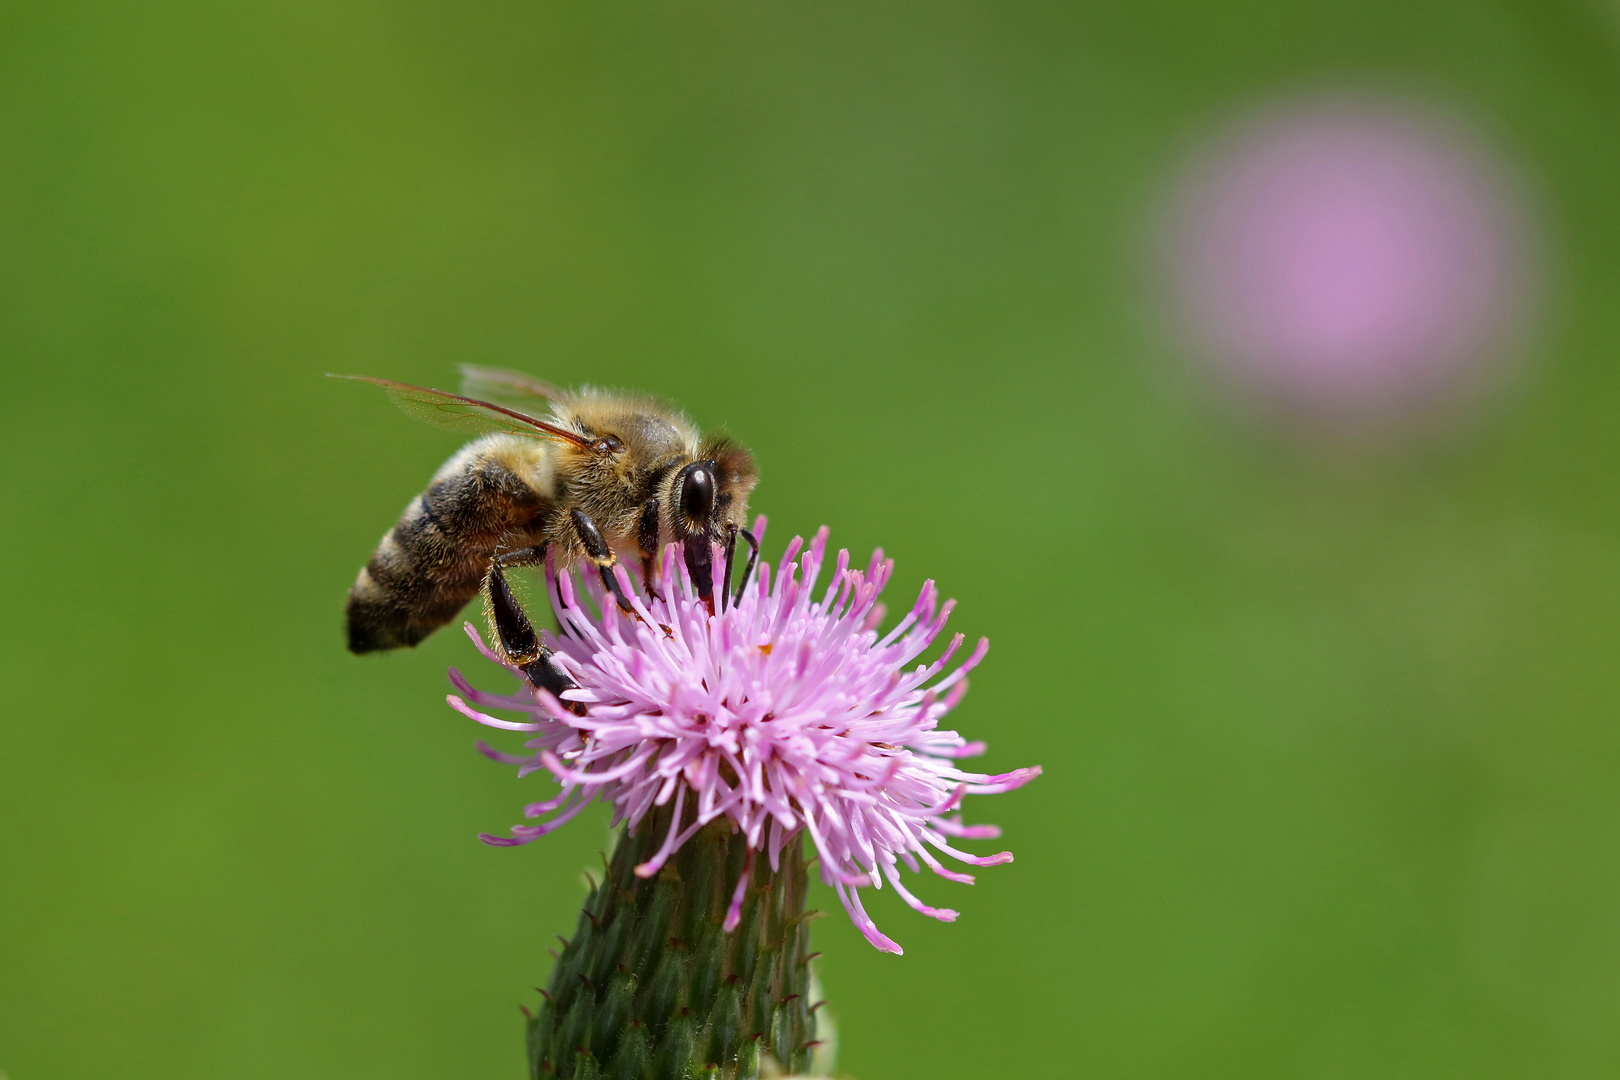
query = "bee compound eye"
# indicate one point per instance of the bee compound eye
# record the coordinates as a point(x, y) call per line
point(697, 492)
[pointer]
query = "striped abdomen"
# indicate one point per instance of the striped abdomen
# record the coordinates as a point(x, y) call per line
point(434, 560)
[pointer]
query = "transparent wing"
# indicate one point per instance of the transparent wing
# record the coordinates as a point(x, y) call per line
point(453, 412)
point(514, 388)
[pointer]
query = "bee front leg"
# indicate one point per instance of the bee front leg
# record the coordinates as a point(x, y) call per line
point(518, 640)
point(753, 560)
point(731, 555)
point(647, 542)
point(597, 550)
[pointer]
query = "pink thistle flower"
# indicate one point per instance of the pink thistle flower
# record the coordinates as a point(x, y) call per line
point(780, 713)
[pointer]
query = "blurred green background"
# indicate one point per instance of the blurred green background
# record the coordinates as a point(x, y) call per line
point(1330, 733)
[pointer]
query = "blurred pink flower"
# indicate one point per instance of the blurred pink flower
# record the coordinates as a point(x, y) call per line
point(780, 713)
point(1351, 256)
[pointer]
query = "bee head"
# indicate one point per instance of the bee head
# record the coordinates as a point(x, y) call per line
point(694, 494)
point(706, 500)
point(711, 493)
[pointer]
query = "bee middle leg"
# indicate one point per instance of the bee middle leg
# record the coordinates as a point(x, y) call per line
point(597, 550)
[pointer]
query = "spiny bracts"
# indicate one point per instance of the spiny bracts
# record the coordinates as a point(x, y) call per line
point(652, 986)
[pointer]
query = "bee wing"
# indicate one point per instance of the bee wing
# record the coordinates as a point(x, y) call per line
point(508, 387)
point(454, 412)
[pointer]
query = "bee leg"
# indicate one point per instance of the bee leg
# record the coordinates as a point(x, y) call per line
point(597, 550)
point(529, 556)
point(518, 640)
point(647, 542)
point(753, 560)
point(731, 555)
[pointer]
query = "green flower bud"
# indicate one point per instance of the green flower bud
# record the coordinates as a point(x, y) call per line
point(655, 988)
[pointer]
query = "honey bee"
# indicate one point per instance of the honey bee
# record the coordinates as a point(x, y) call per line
point(586, 476)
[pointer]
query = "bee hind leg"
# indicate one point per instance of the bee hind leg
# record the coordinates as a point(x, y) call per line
point(518, 640)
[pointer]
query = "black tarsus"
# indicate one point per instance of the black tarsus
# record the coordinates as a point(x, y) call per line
point(599, 553)
point(611, 582)
point(544, 673)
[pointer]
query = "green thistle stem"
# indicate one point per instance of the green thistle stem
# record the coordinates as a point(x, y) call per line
point(651, 988)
